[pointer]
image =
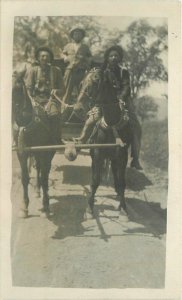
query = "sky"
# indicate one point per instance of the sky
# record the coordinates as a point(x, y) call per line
point(123, 22)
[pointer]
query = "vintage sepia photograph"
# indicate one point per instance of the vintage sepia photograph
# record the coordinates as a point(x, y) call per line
point(90, 161)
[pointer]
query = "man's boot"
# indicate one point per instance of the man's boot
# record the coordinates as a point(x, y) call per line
point(85, 134)
point(136, 164)
point(135, 150)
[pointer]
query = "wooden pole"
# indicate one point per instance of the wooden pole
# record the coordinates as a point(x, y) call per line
point(60, 147)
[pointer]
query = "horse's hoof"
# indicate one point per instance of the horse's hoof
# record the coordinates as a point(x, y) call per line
point(89, 214)
point(44, 214)
point(123, 215)
point(23, 214)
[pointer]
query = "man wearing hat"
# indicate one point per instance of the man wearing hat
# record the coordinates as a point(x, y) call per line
point(110, 81)
point(78, 57)
point(42, 82)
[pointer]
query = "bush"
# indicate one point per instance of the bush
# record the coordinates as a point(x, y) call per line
point(146, 107)
point(155, 143)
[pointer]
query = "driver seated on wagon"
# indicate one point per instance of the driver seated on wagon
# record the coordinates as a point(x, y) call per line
point(111, 80)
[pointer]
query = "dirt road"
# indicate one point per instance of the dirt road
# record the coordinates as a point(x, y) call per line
point(105, 252)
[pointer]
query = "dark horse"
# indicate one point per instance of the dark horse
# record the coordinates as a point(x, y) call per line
point(23, 115)
point(114, 115)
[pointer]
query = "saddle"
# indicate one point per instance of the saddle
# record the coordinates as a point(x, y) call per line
point(124, 118)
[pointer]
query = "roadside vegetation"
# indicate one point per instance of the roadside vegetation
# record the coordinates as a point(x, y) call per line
point(155, 143)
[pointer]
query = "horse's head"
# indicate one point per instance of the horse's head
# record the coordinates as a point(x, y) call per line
point(88, 93)
point(21, 105)
point(17, 89)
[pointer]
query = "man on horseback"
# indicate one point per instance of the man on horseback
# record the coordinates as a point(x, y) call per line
point(42, 82)
point(77, 56)
point(111, 81)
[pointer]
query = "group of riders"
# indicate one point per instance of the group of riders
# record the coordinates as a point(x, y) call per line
point(49, 91)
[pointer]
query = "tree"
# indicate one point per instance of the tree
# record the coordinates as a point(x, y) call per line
point(144, 46)
point(52, 32)
point(146, 107)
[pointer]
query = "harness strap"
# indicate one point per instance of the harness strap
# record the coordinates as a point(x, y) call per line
point(94, 131)
point(38, 71)
point(52, 77)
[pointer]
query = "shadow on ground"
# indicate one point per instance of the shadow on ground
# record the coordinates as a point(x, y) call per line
point(75, 174)
point(135, 180)
point(69, 213)
point(68, 216)
point(150, 215)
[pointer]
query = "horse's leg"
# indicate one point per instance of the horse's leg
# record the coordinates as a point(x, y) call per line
point(97, 163)
point(106, 170)
point(38, 179)
point(114, 167)
point(45, 166)
point(15, 131)
point(23, 158)
point(121, 161)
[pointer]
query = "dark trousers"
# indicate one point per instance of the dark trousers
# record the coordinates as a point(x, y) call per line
point(72, 79)
point(136, 132)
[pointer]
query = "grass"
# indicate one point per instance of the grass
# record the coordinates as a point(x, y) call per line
point(155, 143)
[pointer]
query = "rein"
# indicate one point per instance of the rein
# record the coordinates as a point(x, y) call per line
point(62, 102)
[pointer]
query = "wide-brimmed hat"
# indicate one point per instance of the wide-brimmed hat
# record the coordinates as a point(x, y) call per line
point(79, 28)
point(46, 49)
point(116, 48)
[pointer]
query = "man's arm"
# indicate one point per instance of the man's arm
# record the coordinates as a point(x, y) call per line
point(126, 91)
point(30, 84)
point(88, 56)
point(125, 85)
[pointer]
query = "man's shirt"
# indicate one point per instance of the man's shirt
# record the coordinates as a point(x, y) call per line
point(103, 85)
point(40, 81)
